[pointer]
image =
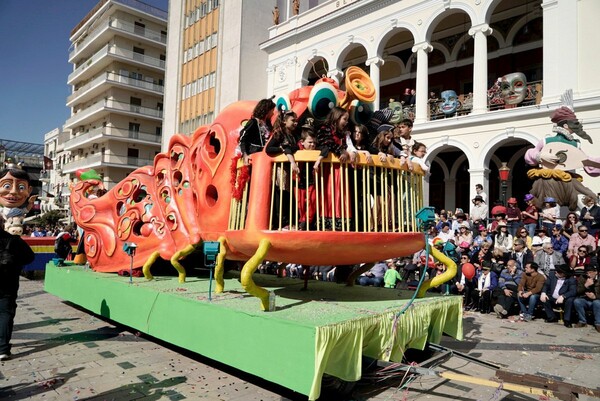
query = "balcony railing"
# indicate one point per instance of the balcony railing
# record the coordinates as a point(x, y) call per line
point(111, 133)
point(99, 159)
point(120, 52)
point(367, 197)
point(465, 102)
point(122, 26)
point(76, 118)
point(116, 78)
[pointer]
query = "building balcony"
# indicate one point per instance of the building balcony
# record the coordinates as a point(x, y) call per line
point(99, 160)
point(107, 106)
point(109, 53)
point(99, 85)
point(112, 134)
point(107, 29)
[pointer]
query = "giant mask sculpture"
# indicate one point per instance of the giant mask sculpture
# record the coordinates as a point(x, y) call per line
point(449, 102)
point(513, 87)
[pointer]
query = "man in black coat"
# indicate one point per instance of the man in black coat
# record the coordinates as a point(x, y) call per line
point(560, 290)
point(521, 254)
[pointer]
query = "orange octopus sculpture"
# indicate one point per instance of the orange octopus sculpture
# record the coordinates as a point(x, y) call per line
point(185, 198)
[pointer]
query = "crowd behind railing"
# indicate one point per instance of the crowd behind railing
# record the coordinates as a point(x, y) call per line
point(336, 176)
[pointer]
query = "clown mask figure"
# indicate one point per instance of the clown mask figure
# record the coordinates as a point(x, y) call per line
point(14, 195)
point(449, 102)
point(513, 87)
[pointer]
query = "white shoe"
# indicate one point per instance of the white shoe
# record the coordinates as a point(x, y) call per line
point(4, 357)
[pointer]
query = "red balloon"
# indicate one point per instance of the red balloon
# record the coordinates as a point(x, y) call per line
point(468, 271)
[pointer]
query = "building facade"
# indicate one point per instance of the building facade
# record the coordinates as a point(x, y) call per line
point(213, 59)
point(118, 52)
point(464, 46)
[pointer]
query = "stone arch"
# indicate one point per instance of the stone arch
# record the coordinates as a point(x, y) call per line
point(389, 60)
point(488, 9)
point(457, 164)
point(348, 47)
point(442, 12)
point(391, 31)
point(435, 148)
point(459, 43)
point(311, 61)
point(500, 140)
point(443, 49)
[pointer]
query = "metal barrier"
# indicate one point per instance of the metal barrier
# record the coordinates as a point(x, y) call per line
point(363, 197)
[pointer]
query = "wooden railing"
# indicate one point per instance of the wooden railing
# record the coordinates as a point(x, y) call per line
point(364, 197)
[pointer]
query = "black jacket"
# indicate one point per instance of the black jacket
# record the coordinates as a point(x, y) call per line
point(22, 255)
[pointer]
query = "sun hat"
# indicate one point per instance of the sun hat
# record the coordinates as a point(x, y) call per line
point(478, 198)
point(512, 201)
point(549, 199)
point(529, 197)
point(464, 244)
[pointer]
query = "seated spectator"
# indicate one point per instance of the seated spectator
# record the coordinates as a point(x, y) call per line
point(464, 249)
point(523, 234)
point(580, 260)
point(391, 277)
point(464, 235)
point(498, 261)
point(560, 243)
point(374, 276)
point(581, 237)
point(571, 225)
point(588, 291)
point(445, 233)
point(541, 236)
point(521, 254)
point(460, 284)
point(559, 291)
point(499, 214)
point(503, 240)
point(547, 259)
point(507, 289)
point(483, 236)
point(486, 283)
point(459, 218)
point(529, 290)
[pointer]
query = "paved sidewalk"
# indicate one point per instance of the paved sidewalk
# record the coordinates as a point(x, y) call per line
point(64, 353)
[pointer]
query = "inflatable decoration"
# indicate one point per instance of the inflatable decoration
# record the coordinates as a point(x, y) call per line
point(513, 87)
point(449, 103)
point(468, 270)
point(186, 197)
point(557, 155)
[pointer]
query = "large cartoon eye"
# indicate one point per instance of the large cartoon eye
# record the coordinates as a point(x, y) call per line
point(283, 104)
point(360, 113)
point(322, 99)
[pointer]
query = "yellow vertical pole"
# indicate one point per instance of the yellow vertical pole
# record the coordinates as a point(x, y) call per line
point(332, 194)
point(355, 186)
point(273, 178)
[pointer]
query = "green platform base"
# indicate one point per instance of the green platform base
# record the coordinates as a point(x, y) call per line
point(326, 329)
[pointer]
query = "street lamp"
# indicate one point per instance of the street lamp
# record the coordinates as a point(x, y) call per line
point(503, 171)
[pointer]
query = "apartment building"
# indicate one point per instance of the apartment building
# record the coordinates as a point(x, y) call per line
point(118, 52)
point(213, 59)
point(464, 46)
point(55, 184)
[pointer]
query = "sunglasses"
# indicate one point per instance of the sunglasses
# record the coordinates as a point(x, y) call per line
point(583, 231)
point(583, 250)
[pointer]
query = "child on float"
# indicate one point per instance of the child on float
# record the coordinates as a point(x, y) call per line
point(256, 132)
point(418, 155)
point(386, 151)
point(283, 141)
point(332, 138)
point(306, 194)
point(362, 144)
point(392, 276)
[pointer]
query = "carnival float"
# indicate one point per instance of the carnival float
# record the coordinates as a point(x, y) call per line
point(199, 196)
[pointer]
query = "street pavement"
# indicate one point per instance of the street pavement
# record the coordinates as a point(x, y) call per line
point(61, 352)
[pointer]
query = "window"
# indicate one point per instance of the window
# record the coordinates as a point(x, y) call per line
point(138, 53)
point(139, 28)
point(135, 104)
point(159, 106)
point(134, 130)
point(158, 131)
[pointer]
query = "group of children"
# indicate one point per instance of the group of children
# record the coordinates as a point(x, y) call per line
point(336, 135)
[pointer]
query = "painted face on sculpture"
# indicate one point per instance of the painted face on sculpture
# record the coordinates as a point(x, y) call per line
point(13, 191)
point(513, 87)
point(396, 108)
point(449, 102)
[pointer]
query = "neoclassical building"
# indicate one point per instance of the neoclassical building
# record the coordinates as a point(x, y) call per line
point(464, 46)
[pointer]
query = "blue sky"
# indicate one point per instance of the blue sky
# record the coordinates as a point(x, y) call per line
point(34, 44)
